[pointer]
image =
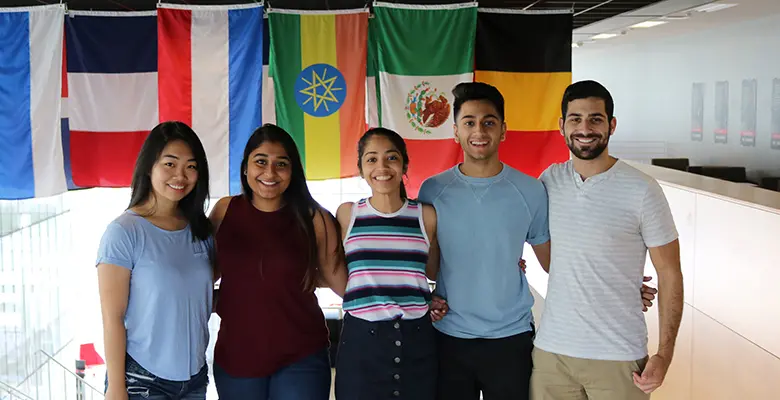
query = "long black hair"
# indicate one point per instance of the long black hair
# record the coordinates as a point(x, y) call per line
point(395, 139)
point(193, 205)
point(296, 196)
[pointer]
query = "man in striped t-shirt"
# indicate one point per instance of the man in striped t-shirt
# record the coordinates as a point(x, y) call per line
point(604, 217)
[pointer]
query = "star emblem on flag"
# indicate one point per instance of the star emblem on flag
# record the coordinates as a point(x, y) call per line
point(320, 90)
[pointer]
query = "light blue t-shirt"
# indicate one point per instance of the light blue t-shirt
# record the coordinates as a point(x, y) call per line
point(483, 224)
point(170, 298)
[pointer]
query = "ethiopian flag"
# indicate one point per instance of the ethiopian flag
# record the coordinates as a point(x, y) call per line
point(422, 52)
point(532, 75)
point(318, 67)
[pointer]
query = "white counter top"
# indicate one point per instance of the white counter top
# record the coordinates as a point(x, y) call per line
point(742, 193)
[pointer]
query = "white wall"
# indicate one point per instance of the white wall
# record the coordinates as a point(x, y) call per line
point(651, 81)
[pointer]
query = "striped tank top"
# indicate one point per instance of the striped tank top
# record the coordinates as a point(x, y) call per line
point(386, 258)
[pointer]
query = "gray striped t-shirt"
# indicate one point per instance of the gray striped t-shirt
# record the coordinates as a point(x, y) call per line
point(600, 230)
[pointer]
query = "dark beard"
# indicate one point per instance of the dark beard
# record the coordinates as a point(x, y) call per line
point(591, 153)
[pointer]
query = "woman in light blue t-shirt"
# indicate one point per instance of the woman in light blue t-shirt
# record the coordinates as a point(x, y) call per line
point(155, 274)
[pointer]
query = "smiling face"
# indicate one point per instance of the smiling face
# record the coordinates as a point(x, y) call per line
point(479, 130)
point(268, 171)
point(587, 129)
point(175, 172)
point(382, 165)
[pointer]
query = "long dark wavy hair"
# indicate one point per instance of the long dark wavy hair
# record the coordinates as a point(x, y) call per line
point(193, 205)
point(395, 139)
point(296, 196)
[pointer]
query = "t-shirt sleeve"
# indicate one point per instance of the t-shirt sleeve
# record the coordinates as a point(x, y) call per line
point(656, 223)
point(545, 176)
point(425, 195)
point(116, 247)
point(539, 231)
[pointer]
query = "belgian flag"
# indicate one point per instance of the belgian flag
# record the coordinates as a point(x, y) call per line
point(527, 56)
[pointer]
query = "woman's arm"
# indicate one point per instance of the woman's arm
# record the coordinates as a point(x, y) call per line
point(114, 289)
point(333, 269)
point(429, 219)
point(218, 212)
point(216, 217)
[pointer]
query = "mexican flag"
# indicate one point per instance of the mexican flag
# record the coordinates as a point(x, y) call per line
point(318, 67)
point(422, 52)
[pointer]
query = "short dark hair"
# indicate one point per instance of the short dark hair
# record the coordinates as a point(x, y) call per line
point(193, 205)
point(585, 89)
point(395, 139)
point(468, 91)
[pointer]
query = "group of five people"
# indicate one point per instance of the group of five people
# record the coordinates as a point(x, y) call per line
point(590, 222)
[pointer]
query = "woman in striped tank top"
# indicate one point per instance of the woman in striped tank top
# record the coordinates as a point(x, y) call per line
point(388, 348)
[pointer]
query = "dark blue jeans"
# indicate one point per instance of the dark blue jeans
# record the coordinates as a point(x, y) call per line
point(143, 385)
point(307, 379)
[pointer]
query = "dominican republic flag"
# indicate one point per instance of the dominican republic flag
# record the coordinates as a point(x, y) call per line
point(211, 77)
point(30, 88)
point(111, 91)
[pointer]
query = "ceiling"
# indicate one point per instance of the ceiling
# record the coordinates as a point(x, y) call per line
point(585, 11)
point(678, 23)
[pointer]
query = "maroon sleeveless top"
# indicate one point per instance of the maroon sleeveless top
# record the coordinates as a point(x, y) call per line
point(268, 320)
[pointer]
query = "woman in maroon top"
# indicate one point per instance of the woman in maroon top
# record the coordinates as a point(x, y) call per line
point(274, 244)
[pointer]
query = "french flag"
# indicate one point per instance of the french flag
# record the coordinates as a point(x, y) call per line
point(111, 92)
point(31, 160)
point(210, 71)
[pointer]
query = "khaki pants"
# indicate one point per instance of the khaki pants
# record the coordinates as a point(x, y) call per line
point(557, 377)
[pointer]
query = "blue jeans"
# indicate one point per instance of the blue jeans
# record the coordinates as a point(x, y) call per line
point(307, 379)
point(143, 385)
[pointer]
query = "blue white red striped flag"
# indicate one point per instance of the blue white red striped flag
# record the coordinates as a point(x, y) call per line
point(112, 93)
point(211, 78)
point(31, 163)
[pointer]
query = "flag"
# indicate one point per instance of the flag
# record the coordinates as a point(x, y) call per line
point(269, 105)
point(112, 93)
point(64, 121)
point(372, 83)
point(31, 162)
point(422, 53)
point(318, 63)
point(532, 75)
point(211, 78)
